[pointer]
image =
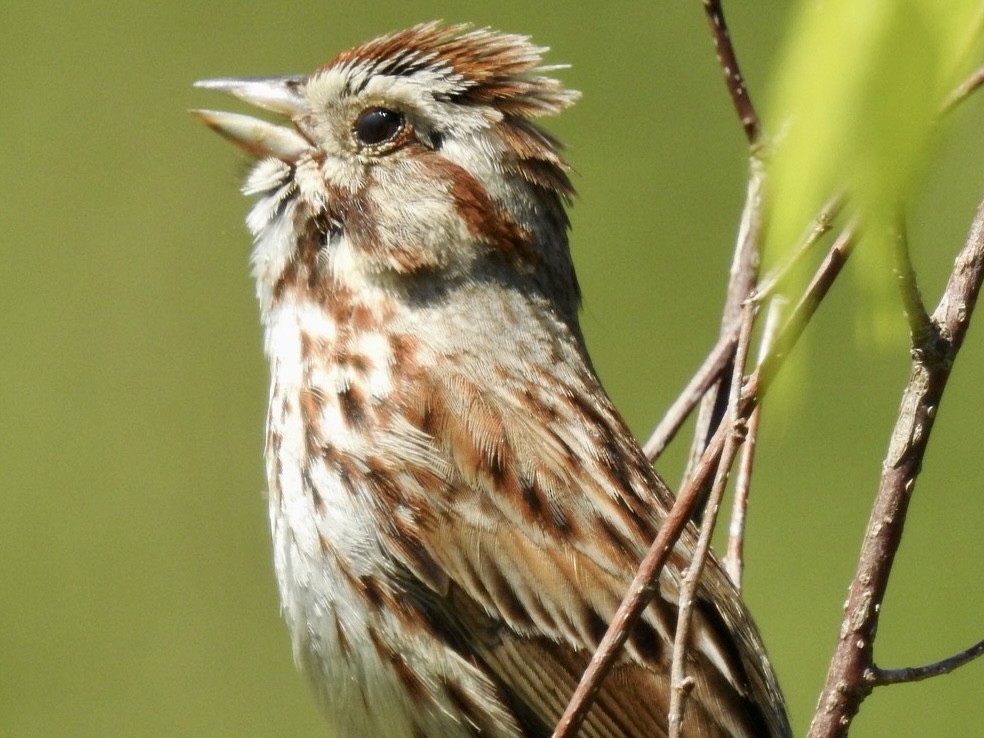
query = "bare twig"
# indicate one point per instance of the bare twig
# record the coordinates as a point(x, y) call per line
point(640, 590)
point(745, 265)
point(734, 559)
point(807, 305)
point(847, 678)
point(974, 81)
point(741, 283)
point(732, 72)
point(680, 685)
point(821, 225)
point(708, 373)
point(965, 90)
point(719, 358)
point(880, 677)
point(638, 595)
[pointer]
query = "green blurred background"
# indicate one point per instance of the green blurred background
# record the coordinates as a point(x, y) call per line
point(136, 592)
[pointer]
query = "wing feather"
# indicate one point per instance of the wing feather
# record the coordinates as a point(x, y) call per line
point(539, 529)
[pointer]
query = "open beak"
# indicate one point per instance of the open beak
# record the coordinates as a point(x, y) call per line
point(258, 137)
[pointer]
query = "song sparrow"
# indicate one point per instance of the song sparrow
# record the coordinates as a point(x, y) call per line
point(456, 507)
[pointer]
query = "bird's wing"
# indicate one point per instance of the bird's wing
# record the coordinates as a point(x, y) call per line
point(533, 514)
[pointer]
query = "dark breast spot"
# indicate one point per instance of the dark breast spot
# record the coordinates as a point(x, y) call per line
point(354, 406)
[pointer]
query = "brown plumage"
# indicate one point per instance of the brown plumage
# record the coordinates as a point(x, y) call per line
point(457, 509)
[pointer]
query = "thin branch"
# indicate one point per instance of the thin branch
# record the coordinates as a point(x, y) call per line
point(741, 283)
point(821, 226)
point(641, 588)
point(732, 72)
point(965, 90)
point(708, 373)
point(638, 595)
point(804, 310)
point(974, 81)
point(880, 677)
point(718, 359)
point(847, 681)
point(920, 325)
point(680, 684)
point(745, 265)
point(734, 559)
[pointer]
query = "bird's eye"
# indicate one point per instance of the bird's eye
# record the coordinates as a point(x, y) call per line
point(377, 126)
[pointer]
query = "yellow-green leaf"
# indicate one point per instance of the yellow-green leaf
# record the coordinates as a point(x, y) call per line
point(855, 106)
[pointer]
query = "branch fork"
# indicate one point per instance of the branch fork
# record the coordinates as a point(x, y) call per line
point(728, 419)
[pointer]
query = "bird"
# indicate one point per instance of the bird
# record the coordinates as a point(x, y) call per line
point(456, 507)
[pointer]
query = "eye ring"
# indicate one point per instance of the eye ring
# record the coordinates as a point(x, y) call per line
point(378, 126)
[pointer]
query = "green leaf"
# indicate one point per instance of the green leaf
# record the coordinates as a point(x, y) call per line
point(854, 108)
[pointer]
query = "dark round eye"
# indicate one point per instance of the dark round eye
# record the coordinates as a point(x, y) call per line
point(377, 126)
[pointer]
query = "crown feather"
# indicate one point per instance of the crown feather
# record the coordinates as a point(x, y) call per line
point(475, 66)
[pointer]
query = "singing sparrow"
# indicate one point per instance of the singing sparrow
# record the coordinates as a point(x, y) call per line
point(456, 506)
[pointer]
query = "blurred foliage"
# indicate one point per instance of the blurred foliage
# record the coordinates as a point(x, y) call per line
point(136, 592)
point(855, 107)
